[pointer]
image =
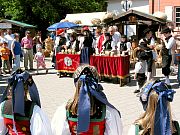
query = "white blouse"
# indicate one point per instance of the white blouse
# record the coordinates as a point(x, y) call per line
point(39, 123)
point(113, 125)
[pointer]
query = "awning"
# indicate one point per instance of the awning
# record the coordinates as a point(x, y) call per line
point(17, 23)
point(85, 18)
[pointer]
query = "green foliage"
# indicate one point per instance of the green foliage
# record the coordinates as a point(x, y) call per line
point(42, 13)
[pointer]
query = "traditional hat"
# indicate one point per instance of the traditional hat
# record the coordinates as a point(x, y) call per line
point(86, 69)
point(141, 55)
point(85, 28)
point(144, 46)
point(166, 30)
point(147, 30)
point(59, 31)
point(123, 36)
point(107, 34)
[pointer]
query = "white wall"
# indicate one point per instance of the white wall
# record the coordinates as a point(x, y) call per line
point(140, 5)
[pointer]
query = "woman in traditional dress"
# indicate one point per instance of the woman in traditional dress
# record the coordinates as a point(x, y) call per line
point(89, 112)
point(20, 115)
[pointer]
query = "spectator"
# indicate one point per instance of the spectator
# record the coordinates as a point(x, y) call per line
point(9, 37)
point(2, 39)
point(5, 52)
point(27, 45)
point(37, 41)
point(157, 118)
point(40, 59)
point(16, 51)
point(88, 110)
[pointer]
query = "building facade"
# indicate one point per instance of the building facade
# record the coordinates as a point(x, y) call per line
point(170, 7)
point(139, 5)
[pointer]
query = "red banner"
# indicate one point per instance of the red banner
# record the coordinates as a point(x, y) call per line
point(106, 65)
point(67, 62)
point(111, 66)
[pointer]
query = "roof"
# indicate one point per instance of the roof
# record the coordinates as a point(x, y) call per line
point(85, 18)
point(139, 16)
point(17, 23)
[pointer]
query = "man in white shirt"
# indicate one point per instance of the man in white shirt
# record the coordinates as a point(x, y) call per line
point(115, 37)
point(167, 49)
point(10, 39)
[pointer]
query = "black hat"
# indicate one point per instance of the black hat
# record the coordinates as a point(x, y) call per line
point(166, 30)
point(144, 46)
point(141, 55)
point(107, 34)
point(147, 30)
point(123, 36)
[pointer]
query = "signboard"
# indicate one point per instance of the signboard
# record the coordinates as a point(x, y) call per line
point(5, 25)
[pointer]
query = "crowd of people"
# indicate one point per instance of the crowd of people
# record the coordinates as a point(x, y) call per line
point(89, 112)
point(13, 51)
point(87, 42)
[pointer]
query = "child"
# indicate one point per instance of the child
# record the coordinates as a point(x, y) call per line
point(5, 57)
point(40, 59)
point(140, 69)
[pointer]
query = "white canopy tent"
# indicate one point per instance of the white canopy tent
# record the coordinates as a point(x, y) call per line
point(85, 18)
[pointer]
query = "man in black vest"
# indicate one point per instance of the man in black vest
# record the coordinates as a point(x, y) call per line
point(148, 40)
point(168, 43)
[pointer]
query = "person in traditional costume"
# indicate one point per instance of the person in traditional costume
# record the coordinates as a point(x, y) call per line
point(150, 44)
point(140, 69)
point(89, 112)
point(124, 46)
point(168, 43)
point(86, 45)
point(20, 115)
point(178, 64)
point(157, 119)
point(107, 42)
point(101, 40)
point(73, 42)
point(144, 47)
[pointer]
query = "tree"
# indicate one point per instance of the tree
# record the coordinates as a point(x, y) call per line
point(43, 13)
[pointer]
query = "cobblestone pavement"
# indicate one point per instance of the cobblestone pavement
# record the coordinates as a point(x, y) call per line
point(54, 91)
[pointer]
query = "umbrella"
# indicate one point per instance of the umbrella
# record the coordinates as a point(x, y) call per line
point(62, 25)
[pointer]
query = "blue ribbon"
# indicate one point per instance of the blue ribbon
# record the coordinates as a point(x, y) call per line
point(89, 86)
point(162, 115)
point(17, 82)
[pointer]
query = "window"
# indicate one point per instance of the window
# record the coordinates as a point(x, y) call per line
point(177, 16)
